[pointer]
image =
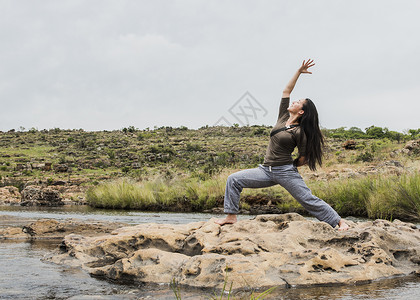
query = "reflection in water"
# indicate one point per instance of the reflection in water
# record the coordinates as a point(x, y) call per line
point(25, 276)
point(396, 288)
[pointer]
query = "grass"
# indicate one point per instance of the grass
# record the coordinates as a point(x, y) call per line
point(189, 194)
point(385, 196)
point(30, 151)
point(395, 197)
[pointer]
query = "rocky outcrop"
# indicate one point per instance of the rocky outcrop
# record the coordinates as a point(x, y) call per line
point(61, 168)
point(271, 250)
point(349, 145)
point(40, 196)
point(412, 147)
point(57, 194)
point(21, 229)
point(9, 195)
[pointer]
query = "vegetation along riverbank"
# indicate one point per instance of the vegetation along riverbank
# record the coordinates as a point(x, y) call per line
point(372, 173)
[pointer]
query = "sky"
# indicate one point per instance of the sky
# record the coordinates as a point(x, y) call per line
point(105, 65)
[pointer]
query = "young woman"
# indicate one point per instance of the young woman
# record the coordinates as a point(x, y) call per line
point(297, 126)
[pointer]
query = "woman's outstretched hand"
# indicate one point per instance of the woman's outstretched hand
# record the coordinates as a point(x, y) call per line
point(303, 69)
point(306, 65)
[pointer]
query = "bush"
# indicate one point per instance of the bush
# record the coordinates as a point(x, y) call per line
point(365, 157)
point(194, 147)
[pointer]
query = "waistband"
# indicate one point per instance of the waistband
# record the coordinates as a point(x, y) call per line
point(270, 168)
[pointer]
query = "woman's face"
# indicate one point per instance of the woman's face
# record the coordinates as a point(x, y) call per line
point(296, 107)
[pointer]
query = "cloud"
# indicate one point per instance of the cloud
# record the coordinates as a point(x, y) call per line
point(109, 64)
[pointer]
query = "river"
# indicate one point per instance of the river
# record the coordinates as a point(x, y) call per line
point(24, 274)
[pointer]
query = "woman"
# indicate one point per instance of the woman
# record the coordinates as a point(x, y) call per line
point(297, 126)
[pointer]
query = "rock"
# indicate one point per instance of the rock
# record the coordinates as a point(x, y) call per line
point(392, 163)
point(54, 229)
point(271, 250)
point(15, 233)
point(61, 168)
point(40, 196)
point(41, 166)
point(349, 145)
point(43, 227)
point(47, 166)
point(21, 167)
point(412, 147)
point(59, 182)
point(136, 165)
point(9, 195)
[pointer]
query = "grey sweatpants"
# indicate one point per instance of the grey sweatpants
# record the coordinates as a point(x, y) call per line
point(289, 178)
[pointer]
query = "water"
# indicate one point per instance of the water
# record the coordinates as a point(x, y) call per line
point(124, 216)
point(24, 275)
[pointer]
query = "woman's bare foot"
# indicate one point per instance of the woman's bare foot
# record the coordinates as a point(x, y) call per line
point(230, 219)
point(342, 226)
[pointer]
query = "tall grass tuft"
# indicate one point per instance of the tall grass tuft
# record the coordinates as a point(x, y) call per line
point(386, 196)
point(396, 197)
point(348, 197)
point(188, 194)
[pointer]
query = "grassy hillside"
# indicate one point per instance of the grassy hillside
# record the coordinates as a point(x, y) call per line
point(179, 168)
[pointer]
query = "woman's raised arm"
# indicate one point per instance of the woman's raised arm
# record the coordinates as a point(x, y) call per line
point(303, 69)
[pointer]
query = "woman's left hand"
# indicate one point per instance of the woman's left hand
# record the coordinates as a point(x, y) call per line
point(306, 65)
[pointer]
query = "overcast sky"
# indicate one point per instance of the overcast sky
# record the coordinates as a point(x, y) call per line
point(103, 65)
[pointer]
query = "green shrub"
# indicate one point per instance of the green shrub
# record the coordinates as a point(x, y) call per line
point(194, 147)
point(365, 157)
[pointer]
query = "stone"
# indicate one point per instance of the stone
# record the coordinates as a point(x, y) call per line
point(9, 195)
point(12, 228)
point(349, 145)
point(40, 196)
point(270, 250)
point(47, 166)
point(61, 168)
point(59, 182)
point(413, 147)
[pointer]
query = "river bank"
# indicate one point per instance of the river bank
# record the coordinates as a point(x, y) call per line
point(388, 192)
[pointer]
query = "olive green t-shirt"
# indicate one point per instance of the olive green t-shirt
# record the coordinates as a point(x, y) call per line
point(281, 145)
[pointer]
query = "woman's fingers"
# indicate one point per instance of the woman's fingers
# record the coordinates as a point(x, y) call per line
point(307, 64)
point(310, 63)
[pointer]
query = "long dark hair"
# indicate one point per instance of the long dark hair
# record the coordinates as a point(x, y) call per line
point(309, 122)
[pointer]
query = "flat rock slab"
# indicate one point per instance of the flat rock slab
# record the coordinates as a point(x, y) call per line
point(16, 228)
point(270, 250)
